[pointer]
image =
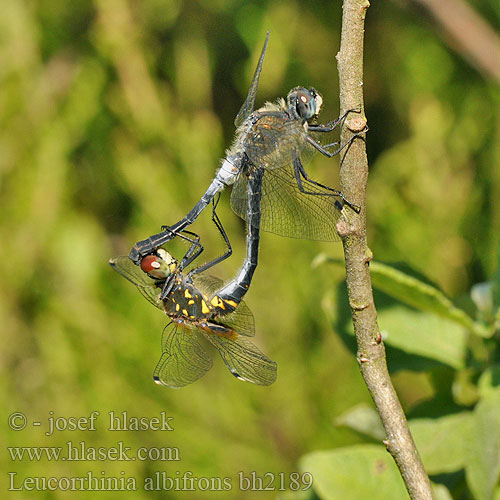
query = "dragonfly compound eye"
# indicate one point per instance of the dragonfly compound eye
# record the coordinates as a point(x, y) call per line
point(156, 267)
point(305, 102)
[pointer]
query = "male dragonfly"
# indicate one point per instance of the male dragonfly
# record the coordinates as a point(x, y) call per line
point(272, 140)
point(200, 310)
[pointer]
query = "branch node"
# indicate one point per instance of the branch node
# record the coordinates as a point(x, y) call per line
point(368, 255)
point(344, 228)
point(362, 359)
point(356, 124)
point(359, 307)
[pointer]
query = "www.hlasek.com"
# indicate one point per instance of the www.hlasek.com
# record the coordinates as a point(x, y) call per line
point(81, 452)
point(161, 481)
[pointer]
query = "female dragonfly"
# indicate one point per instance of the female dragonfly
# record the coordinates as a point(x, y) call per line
point(200, 309)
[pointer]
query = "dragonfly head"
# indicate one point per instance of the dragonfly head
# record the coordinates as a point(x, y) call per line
point(159, 265)
point(306, 103)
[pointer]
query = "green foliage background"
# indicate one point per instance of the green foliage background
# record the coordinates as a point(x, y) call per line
point(113, 118)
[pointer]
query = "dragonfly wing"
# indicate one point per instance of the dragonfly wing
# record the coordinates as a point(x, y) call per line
point(244, 360)
point(149, 288)
point(240, 320)
point(287, 211)
point(184, 359)
point(274, 140)
point(248, 105)
point(239, 196)
point(207, 284)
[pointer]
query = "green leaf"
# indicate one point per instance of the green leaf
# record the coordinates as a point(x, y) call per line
point(416, 291)
point(441, 492)
point(483, 451)
point(482, 296)
point(358, 472)
point(424, 334)
point(421, 295)
point(364, 419)
point(361, 471)
point(442, 442)
point(489, 381)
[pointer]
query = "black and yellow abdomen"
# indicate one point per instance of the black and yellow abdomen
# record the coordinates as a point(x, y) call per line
point(222, 306)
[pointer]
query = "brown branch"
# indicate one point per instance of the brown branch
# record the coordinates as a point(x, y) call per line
point(353, 179)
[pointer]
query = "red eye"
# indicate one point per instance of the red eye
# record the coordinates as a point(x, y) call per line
point(150, 264)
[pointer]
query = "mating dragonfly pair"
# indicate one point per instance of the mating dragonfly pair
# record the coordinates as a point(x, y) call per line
point(272, 192)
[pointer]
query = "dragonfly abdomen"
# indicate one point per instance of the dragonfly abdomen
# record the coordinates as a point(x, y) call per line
point(222, 306)
point(230, 169)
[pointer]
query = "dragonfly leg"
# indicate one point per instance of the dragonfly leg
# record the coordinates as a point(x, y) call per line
point(226, 254)
point(300, 174)
point(330, 126)
point(194, 250)
point(192, 253)
point(147, 246)
point(323, 148)
point(319, 147)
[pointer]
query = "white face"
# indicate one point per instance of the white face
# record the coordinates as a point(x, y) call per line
point(165, 256)
point(319, 103)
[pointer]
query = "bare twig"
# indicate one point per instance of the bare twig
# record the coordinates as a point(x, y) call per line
point(353, 178)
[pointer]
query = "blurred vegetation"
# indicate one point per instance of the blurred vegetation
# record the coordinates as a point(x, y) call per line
point(114, 116)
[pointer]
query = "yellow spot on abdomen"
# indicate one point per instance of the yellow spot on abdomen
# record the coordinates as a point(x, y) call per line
point(204, 307)
point(217, 302)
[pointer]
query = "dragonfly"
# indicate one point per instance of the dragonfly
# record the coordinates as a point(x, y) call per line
point(200, 309)
point(269, 144)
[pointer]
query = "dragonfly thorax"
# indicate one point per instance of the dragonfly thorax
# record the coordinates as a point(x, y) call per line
point(304, 103)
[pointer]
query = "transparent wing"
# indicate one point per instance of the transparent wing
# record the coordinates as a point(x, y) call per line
point(184, 359)
point(207, 284)
point(287, 211)
point(244, 360)
point(148, 287)
point(249, 103)
point(240, 320)
point(274, 140)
